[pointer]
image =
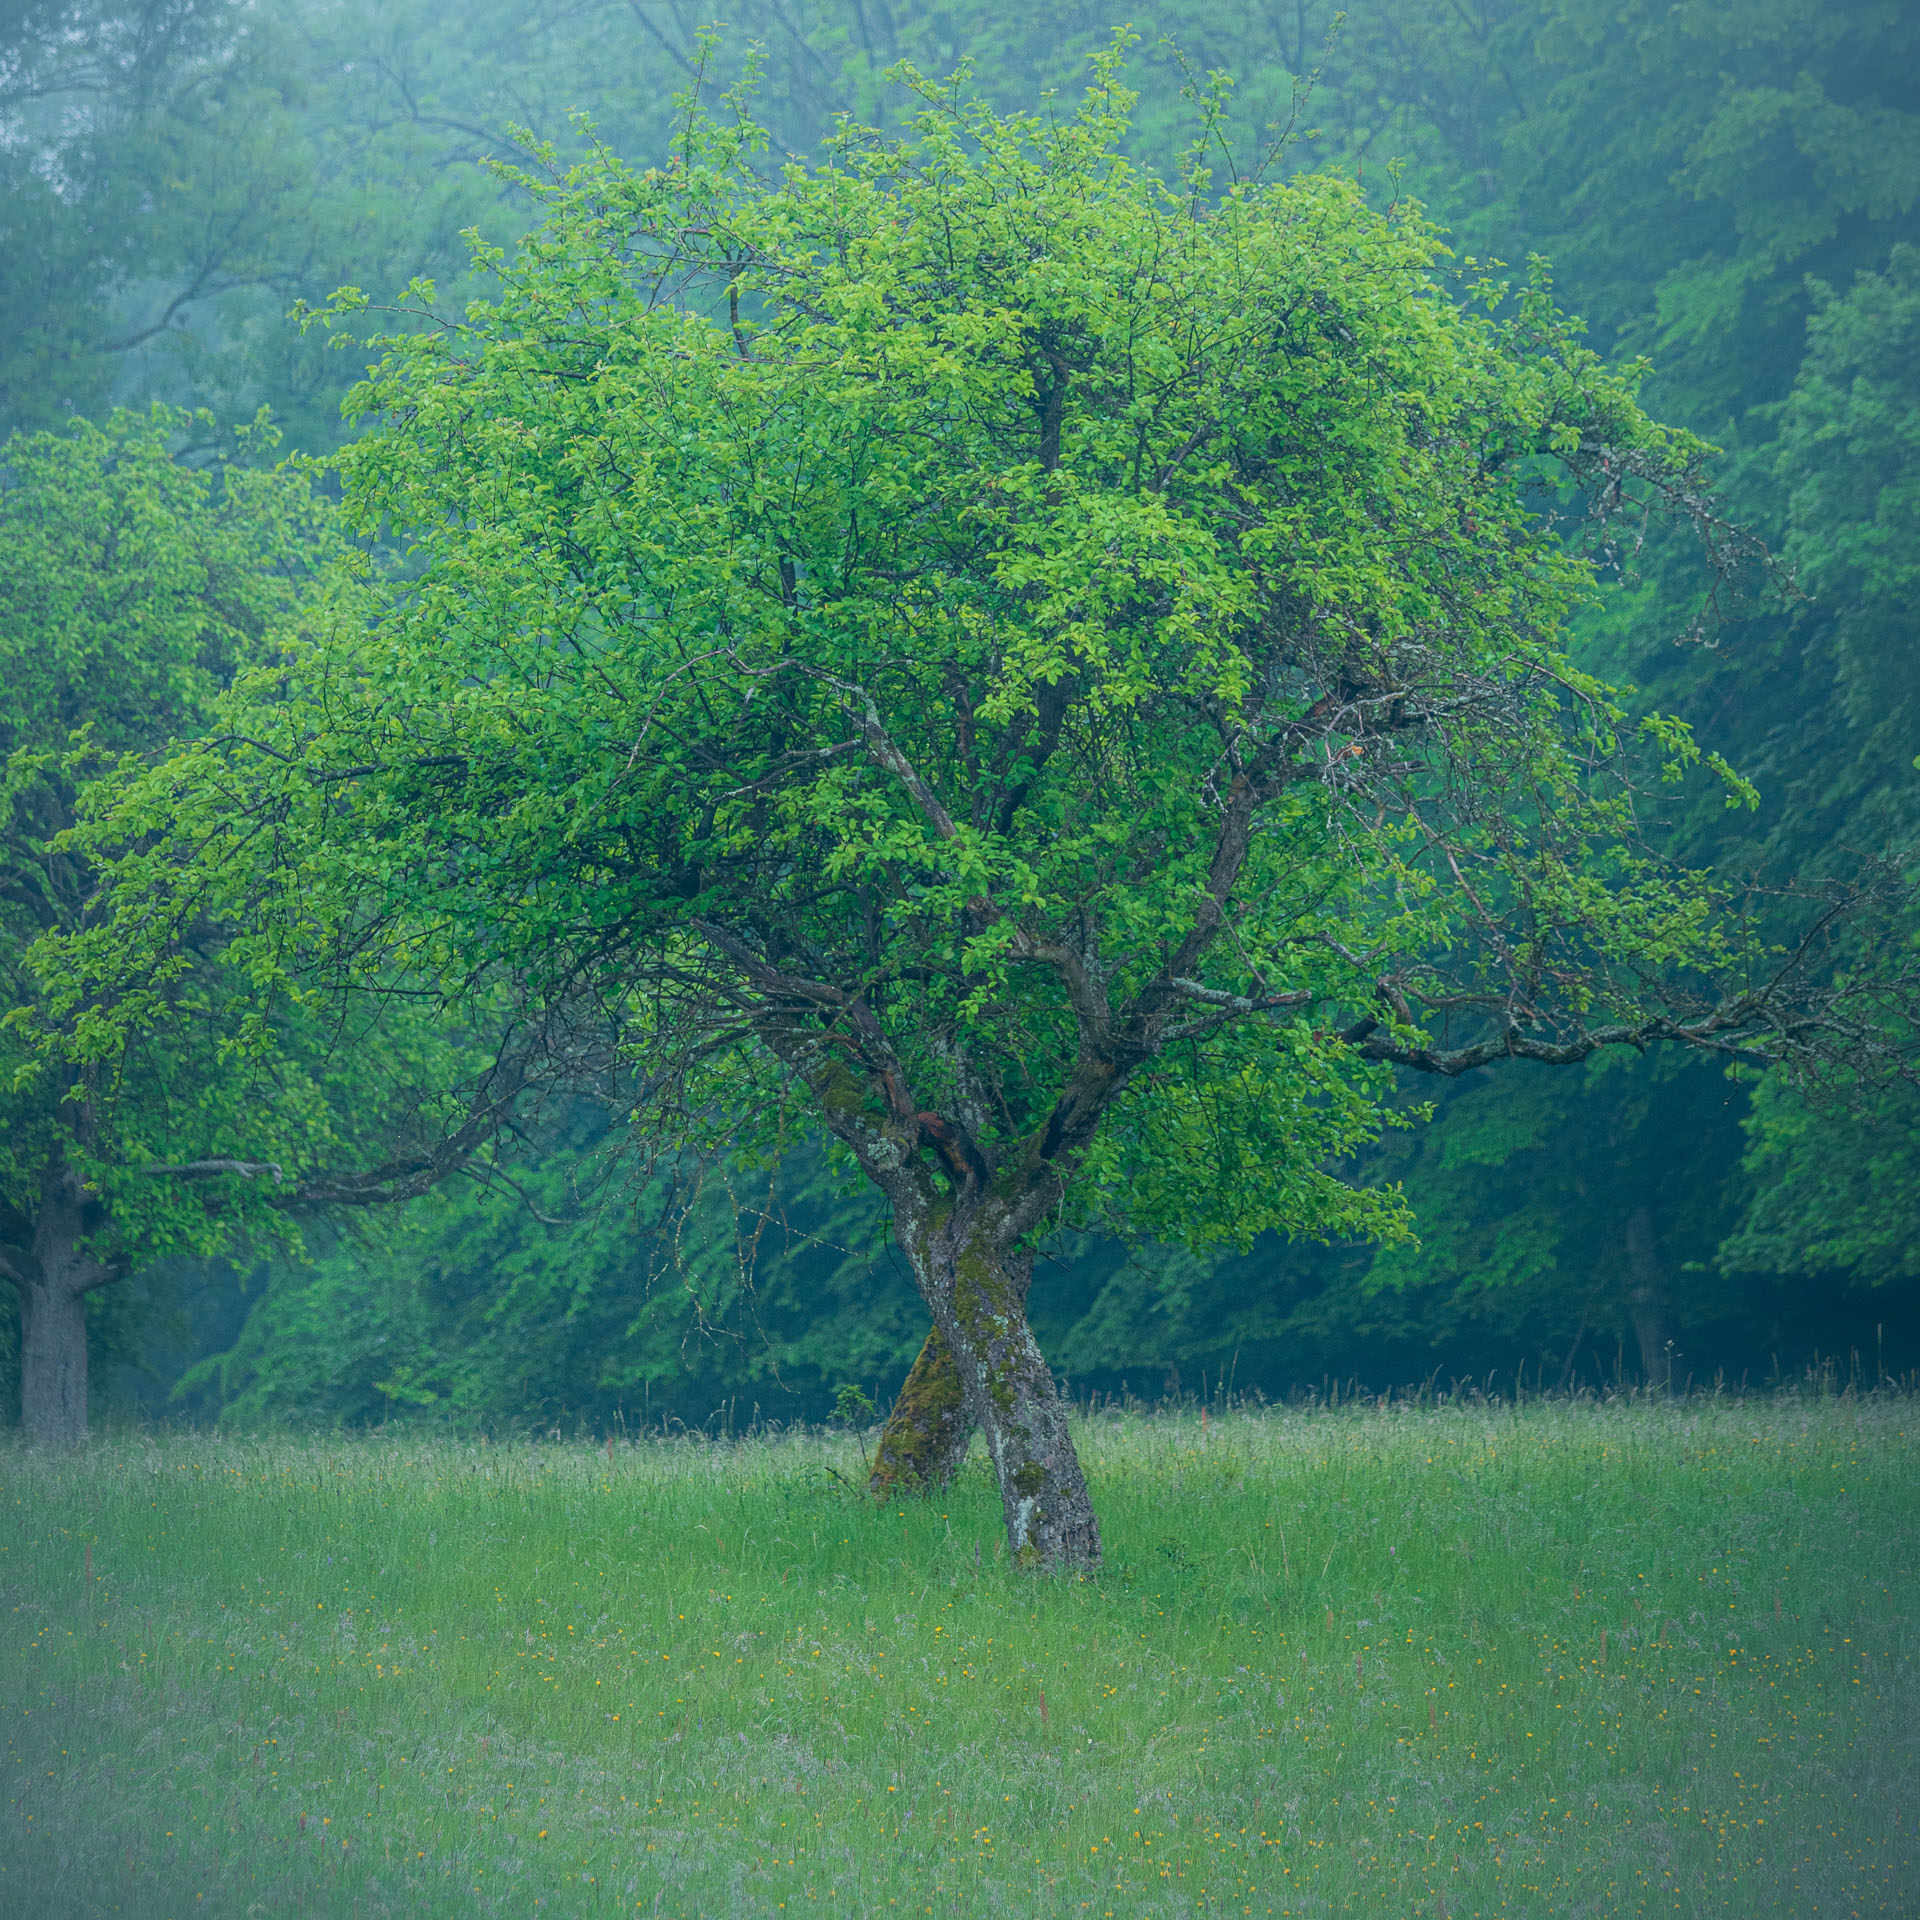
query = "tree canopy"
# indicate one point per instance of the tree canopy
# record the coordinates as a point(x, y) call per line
point(134, 587)
point(186, 1112)
point(1056, 678)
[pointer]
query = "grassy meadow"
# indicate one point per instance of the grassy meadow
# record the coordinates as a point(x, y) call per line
point(1462, 1660)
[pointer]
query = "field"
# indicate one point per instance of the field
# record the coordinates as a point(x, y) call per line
point(1459, 1660)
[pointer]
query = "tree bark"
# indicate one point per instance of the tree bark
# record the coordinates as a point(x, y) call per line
point(965, 1246)
point(973, 1274)
point(1647, 1299)
point(53, 1277)
point(926, 1435)
point(53, 1365)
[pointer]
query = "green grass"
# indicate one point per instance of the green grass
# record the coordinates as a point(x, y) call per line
point(1566, 1660)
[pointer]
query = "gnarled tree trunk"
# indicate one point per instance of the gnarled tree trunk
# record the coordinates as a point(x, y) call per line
point(926, 1435)
point(973, 1273)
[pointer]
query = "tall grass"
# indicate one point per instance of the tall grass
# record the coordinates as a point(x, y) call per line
point(1465, 1660)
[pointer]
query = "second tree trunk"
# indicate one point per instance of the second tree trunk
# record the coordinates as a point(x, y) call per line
point(926, 1435)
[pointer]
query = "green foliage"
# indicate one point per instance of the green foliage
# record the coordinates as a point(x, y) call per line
point(852, 1408)
point(674, 1298)
point(1688, 166)
point(1833, 1190)
point(1707, 179)
point(1531, 1188)
point(1846, 466)
point(1733, 191)
point(187, 1113)
point(1837, 1187)
point(178, 176)
point(135, 586)
point(1829, 700)
point(901, 581)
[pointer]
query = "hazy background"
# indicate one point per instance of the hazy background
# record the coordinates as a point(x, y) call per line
point(1730, 189)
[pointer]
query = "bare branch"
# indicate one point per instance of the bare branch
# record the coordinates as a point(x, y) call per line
point(1240, 1003)
point(885, 753)
point(213, 1169)
point(1085, 993)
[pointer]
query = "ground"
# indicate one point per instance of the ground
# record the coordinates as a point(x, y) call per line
point(1459, 1660)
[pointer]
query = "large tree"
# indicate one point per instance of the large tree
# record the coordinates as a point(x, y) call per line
point(1053, 679)
point(133, 586)
point(185, 1114)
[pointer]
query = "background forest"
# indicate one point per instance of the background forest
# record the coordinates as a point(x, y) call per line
point(1730, 190)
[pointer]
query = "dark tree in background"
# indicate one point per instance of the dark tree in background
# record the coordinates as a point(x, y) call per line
point(187, 1115)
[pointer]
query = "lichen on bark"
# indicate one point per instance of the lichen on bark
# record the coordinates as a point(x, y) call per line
point(973, 1271)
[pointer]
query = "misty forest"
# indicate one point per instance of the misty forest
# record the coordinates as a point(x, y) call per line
point(1030, 816)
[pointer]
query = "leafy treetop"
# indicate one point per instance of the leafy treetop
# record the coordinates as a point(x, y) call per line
point(1068, 668)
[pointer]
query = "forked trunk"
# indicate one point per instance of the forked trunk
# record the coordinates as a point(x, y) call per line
point(926, 1434)
point(53, 1365)
point(973, 1275)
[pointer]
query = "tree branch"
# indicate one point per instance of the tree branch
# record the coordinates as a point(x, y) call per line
point(212, 1169)
point(1240, 1003)
point(950, 1139)
point(886, 754)
point(1084, 993)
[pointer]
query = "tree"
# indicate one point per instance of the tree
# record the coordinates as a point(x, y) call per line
point(134, 585)
point(1574, 1197)
point(1840, 1191)
point(179, 172)
point(184, 1115)
point(1818, 700)
point(1691, 166)
point(604, 1302)
point(142, 177)
point(176, 174)
point(1696, 173)
point(1052, 679)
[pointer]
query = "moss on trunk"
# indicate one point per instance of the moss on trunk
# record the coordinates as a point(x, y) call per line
point(927, 1433)
point(973, 1274)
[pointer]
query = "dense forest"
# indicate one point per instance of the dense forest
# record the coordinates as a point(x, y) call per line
point(1730, 192)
